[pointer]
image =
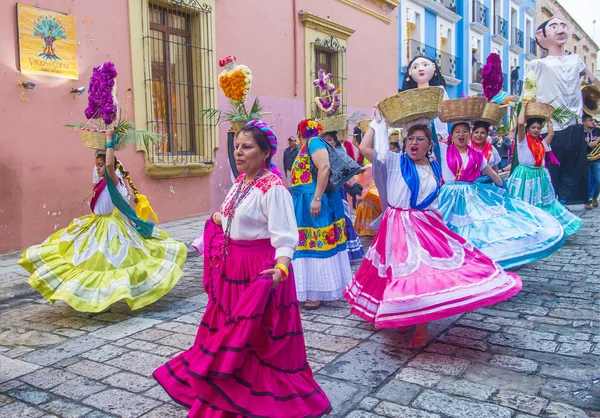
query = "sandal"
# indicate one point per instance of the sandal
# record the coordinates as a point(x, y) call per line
point(312, 305)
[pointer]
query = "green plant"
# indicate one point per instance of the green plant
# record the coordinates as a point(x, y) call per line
point(235, 113)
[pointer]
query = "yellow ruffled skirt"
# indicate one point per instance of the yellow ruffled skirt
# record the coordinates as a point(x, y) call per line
point(100, 259)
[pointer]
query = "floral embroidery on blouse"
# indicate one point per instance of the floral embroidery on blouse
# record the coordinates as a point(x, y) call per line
point(301, 168)
point(264, 184)
point(322, 239)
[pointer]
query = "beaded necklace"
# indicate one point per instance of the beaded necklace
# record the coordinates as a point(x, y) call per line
point(241, 192)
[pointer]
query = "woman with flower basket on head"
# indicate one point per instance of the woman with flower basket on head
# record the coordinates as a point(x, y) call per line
point(509, 231)
point(249, 357)
point(530, 180)
point(417, 270)
point(321, 261)
point(101, 258)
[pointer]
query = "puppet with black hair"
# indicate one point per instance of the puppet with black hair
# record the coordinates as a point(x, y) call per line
point(558, 76)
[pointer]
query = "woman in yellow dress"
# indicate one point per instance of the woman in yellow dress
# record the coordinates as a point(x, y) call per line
point(101, 258)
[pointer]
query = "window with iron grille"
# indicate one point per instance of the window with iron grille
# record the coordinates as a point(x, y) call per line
point(329, 55)
point(179, 80)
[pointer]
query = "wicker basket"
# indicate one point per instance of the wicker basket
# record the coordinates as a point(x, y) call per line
point(465, 109)
point(363, 125)
point(236, 127)
point(334, 123)
point(411, 105)
point(538, 110)
point(95, 139)
point(493, 113)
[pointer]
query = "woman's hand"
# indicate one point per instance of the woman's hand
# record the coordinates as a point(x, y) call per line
point(315, 208)
point(550, 128)
point(109, 135)
point(275, 274)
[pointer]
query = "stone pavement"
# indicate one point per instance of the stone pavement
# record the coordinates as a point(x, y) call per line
point(535, 355)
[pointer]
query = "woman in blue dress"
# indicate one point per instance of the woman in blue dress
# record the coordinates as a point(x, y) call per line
point(508, 230)
point(321, 262)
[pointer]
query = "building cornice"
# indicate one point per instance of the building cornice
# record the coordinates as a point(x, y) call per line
point(368, 11)
point(321, 24)
point(441, 10)
point(389, 3)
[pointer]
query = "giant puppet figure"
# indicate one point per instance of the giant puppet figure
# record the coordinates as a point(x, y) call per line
point(558, 76)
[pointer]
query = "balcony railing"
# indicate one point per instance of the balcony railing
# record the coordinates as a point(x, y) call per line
point(448, 4)
point(516, 87)
point(480, 13)
point(500, 26)
point(517, 37)
point(505, 82)
point(476, 76)
point(531, 46)
point(448, 63)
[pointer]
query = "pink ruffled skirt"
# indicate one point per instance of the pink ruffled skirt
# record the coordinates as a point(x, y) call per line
point(417, 270)
point(249, 357)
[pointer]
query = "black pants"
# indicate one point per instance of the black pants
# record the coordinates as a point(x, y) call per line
point(571, 178)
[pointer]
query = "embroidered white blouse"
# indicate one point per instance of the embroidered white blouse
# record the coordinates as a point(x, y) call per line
point(447, 174)
point(267, 211)
point(526, 156)
point(398, 193)
point(104, 204)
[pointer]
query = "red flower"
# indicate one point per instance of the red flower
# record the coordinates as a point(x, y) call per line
point(330, 237)
point(305, 177)
point(301, 238)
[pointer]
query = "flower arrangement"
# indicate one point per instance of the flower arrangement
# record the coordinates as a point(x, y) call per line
point(235, 82)
point(491, 76)
point(329, 98)
point(530, 87)
point(310, 128)
point(102, 102)
point(103, 114)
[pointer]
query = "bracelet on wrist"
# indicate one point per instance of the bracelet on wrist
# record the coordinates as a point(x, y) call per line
point(283, 269)
point(109, 145)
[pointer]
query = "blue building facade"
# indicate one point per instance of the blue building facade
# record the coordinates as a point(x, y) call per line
point(460, 34)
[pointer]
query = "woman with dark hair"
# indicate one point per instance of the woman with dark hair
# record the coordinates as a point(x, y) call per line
point(249, 357)
point(99, 259)
point(507, 230)
point(530, 180)
point(321, 261)
point(479, 140)
point(417, 270)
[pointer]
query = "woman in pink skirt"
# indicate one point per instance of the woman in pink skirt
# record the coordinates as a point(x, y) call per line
point(249, 358)
point(416, 269)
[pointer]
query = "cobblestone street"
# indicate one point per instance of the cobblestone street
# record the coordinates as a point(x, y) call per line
point(535, 355)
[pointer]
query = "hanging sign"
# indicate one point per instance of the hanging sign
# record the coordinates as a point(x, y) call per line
point(47, 42)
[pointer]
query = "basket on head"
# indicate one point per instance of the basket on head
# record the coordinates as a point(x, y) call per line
point(538, 110)
point(465, 109)
point(334, 123)
point(394, 135)
point(410, 105)
point(236, 127)
point(493, 113)
point(363, 125)
point(96, 139)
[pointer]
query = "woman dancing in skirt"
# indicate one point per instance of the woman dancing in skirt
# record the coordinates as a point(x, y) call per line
point(416, 269)
point(508, 230)
point(100, 258)
point(249, 358)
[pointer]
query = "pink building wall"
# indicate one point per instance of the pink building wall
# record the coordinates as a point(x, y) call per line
point(45, 172)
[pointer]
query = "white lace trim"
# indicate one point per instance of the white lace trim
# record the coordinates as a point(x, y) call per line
point(416, 254)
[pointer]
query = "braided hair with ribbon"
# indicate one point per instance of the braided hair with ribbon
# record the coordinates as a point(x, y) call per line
point(265, 137)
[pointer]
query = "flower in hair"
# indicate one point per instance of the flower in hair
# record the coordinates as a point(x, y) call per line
point(310, 128)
